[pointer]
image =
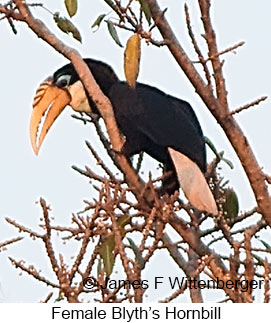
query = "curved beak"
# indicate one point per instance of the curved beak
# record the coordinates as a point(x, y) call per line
point(49, 101)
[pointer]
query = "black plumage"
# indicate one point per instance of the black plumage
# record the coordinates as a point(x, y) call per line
point(153, 122)
point(150, 120)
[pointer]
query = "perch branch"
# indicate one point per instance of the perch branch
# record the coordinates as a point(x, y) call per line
point(102, 102)
point(218, 108)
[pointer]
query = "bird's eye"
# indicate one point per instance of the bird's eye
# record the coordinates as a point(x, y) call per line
point(63, 80)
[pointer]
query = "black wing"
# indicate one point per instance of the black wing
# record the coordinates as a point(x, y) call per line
point(153, 121)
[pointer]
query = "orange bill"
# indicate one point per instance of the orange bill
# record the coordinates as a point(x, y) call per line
point(49, 101)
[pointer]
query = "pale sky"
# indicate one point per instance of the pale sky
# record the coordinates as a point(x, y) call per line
point(26, 61)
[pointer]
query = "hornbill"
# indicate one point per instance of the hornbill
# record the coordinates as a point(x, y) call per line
point(164, 127)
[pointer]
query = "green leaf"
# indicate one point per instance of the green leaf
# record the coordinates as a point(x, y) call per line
point(71, 6)
point(113, 32)
point(67, 26)
point(231, 205)
point(137, 253)
point(267, 246)
point(228, 162)
point(107, 247)
point(225, 183)
point(99, 268)
point(259, 259)
point(212, 147)
point(111, 4)
point(98, 21)
point(122, 222)
point(106, 252)
point(218, 155)
point(60, 297)
point(146, 10)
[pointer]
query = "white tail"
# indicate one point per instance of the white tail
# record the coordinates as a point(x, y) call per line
point(193, 183)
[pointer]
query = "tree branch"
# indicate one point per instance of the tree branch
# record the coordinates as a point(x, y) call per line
point(103, 104)
point(219, 109)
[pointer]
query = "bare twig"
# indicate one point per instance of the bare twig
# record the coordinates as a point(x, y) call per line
point(47, 237)
point(225, 51)
point(32, 272)
point(47, 298)
point(8, 242)
point(24, 229)
point(100, 161)
point(249, 105)
point(210, 38)
point(196, 47)
point(219, 107)
point(101, 101)
point(267, 278)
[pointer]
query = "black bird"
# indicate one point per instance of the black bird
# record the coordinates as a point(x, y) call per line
point(153, 122)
